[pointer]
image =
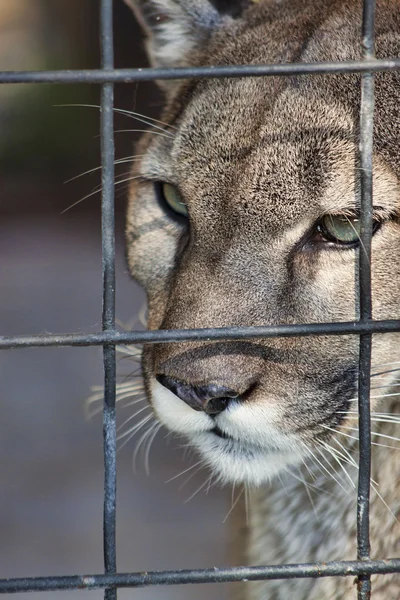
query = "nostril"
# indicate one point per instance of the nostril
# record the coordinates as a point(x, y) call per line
point(211, 399)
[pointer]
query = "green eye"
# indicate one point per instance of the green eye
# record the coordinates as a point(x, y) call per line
point(173, 199)
point(340, 229)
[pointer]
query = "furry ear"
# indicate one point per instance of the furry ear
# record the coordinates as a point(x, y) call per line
point(175, 28)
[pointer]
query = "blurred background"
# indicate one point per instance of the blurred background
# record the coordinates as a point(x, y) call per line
point(51, 465)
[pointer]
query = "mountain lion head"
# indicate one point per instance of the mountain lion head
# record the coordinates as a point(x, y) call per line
point(244, 210)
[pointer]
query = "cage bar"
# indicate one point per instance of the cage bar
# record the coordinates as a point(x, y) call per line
point(160, 336)
point(198, 576)
point(108, 258)
point(150, 74)
point(365, 298)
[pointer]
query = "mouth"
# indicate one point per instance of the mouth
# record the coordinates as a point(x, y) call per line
point(221, 434)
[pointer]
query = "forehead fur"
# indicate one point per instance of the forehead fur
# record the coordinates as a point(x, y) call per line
point(305, 112)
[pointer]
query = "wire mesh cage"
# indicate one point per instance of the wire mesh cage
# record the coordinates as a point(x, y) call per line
point(109, 337)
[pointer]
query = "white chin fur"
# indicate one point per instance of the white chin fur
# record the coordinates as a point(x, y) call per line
point(256, 451)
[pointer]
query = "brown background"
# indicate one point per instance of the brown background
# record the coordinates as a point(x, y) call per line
point(51, 469)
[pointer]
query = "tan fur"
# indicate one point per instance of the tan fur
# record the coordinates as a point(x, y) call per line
point(258, 161)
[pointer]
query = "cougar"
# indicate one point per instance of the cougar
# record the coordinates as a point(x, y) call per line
point(244, 210)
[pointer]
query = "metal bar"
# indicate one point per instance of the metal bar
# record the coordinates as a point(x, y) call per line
point(108, 258)
point(195, 335)
point(147, 74)
point(214, 575)
point(366, 156)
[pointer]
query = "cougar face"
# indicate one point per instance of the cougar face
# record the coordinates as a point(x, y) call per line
point(244, 211)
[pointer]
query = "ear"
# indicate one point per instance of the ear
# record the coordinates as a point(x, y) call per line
point(175, 28)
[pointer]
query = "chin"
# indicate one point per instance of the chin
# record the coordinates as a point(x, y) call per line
point(236, 461)
point(233, 449)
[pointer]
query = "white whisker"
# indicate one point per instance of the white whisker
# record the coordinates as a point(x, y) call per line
point(377, 433)
point(307, 488)
point(396, 362)
point(337, 460)
point(129, 434)
point(391, 385)
point(185, 471)
point(347, 435)
point(131, 114)
point(132, 417)
point(198, 489)
point(325, 469)
point(191, 475)
point(377, 397)
point(233, 503)
point(166, 135)
point(148, 445)
point(385, 372)
point(246, 502)
point(145, 436)
point(96, 191)
point(133, 351)
point(119, 161)
point(385, 503)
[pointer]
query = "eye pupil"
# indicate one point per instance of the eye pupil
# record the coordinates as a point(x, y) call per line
point(173, 199)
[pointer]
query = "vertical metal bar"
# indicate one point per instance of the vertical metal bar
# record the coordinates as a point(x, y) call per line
point(366, 154)
point(108, 257)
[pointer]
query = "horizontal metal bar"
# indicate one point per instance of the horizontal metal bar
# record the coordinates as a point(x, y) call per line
point(131, 75)
point(214, 575)
point(206, 335)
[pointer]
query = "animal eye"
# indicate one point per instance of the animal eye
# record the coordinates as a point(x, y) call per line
point(342, 229)
point(173, 199)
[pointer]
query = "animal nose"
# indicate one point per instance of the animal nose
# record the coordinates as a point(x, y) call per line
point(212, 399)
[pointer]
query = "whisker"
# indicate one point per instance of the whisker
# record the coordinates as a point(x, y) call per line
point(130, 350)
point(246, 502)
point(309, 471)
point(96, 191)
point(307, 488)
point(377, 419)
point(142, 438)
point(377, 397)
point(129, 386)
point(129, 434)
point(166, 135)
point(325, 469)
point(338, 461)
point(385, 503)
point(358, 237)
point(198, 489)
point(131, 114)
point(127, 404)
point(391, 385)
point(185, 471)
point(395, 362)
point(148, 447)
point(147, 434)
point(130, 392)
point(119, 161)
point(311, 486)
point(233, 504)
point(385, 372)
point(384, 435)
point(347, 453)
point(210, 484)
point(357, 439)
point(191, 475)
point(131, 417)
